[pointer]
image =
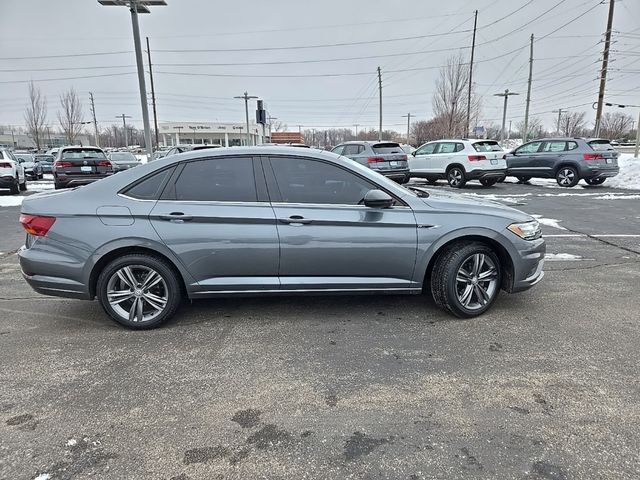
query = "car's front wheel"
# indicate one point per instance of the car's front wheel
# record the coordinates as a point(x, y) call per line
point(466, 279)
point(139, 291)
point(567, 177)
point(594, 181)
point(456, 177)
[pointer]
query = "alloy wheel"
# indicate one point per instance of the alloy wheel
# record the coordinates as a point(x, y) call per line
point(566, 177)
point(137, 293)
point(455, 177)
point(476, 281)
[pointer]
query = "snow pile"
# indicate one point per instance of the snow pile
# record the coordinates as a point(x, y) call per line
point(550, 222)
point(629, 176)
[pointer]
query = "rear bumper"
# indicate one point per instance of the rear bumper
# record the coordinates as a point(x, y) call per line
point(395, 174)
point(600, 172)
point(76, 180)
point(7, 181)
point(486, 174)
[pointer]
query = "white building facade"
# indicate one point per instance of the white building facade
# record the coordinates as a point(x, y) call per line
point(225, 134)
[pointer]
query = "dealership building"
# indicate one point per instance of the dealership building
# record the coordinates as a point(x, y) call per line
point(225, 134)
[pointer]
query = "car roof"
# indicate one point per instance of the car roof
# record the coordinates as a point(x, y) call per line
point(80, 146)
point(369, 142)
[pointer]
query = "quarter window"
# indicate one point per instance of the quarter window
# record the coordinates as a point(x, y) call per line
point(217, 180)
point(311, 181)
point(150, 188)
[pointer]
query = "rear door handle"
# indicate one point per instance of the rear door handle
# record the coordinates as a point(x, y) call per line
point(295, 220)
point(176, 217)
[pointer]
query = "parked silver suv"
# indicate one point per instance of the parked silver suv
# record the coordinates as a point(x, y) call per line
point(387, 158)
point(281, 220)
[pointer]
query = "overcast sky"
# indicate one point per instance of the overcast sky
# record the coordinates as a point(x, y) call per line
point(565, 69)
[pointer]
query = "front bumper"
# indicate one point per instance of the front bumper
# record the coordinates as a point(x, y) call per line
point(528, 265)
point(486, 174)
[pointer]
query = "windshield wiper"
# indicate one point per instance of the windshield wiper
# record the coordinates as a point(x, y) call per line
point(419, 190)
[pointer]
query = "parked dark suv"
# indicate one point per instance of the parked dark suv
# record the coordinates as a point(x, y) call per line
point(80, 165)
point(387, 158)
point(568, 160)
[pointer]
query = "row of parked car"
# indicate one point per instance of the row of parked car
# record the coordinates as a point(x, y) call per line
point(458, 161)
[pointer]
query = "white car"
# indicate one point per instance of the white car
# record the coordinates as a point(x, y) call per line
point(458, 161)
point(11, 173)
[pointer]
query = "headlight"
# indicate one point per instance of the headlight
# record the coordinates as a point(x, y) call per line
point(527, 230)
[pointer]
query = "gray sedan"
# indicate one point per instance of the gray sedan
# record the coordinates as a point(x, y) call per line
point(261, 221)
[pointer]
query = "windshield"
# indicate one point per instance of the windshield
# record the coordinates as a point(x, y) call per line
point(27, 157)
point(83, 153)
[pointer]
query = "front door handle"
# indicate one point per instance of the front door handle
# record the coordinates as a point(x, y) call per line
point(295, 220)
point(176, 217)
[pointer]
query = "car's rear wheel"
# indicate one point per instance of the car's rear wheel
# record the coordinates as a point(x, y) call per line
point(466, 279)
point(456, 177)
point(139, 291)
point(567, 177)
point(523, 179)
point(488, 182)
point(595, 181)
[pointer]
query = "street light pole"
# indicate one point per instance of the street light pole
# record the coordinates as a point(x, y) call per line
point(504, 109)
point(408, 117)
point(246, 98)
point(135, 7)
point(560, 111)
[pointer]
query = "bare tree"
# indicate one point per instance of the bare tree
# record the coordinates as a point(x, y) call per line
point(35, 115)
point(615, 125)
point(535, 128)
point(279, 126)
point(572, 124)
point(70, 117)
point(450, 97)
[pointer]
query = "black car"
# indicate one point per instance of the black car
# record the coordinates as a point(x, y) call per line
point(76, 166)
point(46, 162)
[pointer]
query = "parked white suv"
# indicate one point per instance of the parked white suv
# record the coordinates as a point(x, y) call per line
point(11, 173)
point(458, 161)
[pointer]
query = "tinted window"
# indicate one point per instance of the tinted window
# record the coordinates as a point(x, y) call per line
point(447, 147)
point(80, 153)
point(529, 147)
point(150, 187)
point(488, 146)
point(352, 149)
point(426, 149)
point(217, 180)
point(311, 181)
point(389, 147)
point(338, 149)
point(600, 145)
point(554, 146)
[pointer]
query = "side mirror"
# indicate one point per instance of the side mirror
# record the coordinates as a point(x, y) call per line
point(414, 153)
point(377, 199)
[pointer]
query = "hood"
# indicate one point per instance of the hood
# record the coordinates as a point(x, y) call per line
point(455, 202)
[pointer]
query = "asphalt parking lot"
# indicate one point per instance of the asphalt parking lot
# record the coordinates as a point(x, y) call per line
point(544, 386)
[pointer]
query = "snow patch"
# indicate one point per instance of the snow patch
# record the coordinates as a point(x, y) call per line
point(609, 196)
point(72, 442)
point(550, 222)
point(11, 200)
point(562, 257)
point(629, 176)
point(43, 476)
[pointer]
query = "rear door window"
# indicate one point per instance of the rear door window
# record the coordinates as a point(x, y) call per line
point(554, 146)
point(447, 147)
point(217, 180)
point(385, 148)
point(352, 149)
point(488, 146)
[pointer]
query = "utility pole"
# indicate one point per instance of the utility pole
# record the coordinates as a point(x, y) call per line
point(95, 122)
point(270, 119)
point(380, 89)
point(509, 132)
point(473, 49)
point(357, 125)
point(525, 134)
point(603, 71)
point(560, 111)
point(504, 110)
point(124, 125)
point(246, 97)
point(194, 133)
point(153, 95)
point(408, 117)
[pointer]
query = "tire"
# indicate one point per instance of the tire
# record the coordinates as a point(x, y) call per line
point(502, 179)
point(456, 177)
point(488, 182)
point(567, 176)
point(57, 186)
point(127, 275)
point(522, 179)
point(23, 185)
point(462, 295)
point(15, 188)
point(594, 181)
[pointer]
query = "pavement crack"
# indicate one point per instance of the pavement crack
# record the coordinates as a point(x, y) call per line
point(602, 240)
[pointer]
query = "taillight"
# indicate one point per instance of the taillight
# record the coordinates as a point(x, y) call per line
point(375, 159)
point(36, 225)
point(475, 158)
point(5, 165)
point(592, 156)
point(104, 163)
point(404, 157)
point(59, 164)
